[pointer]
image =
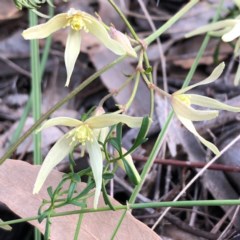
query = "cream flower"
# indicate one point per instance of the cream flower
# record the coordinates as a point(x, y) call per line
point(85, 133)
point(228, 29)
point(78, 21)
point(181, 103)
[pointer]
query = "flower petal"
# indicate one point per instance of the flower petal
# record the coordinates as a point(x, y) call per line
point(213, 77)
point(211, 103)
point(65, 121)
point(96, 163)
point(96, 28)
point(182, 110)
point(123, 40)
point(57, 153)
point(212, 27)
point(107, 120)
point(233, 34)
point(44, 30)
point(72, 51)
point(189, 125)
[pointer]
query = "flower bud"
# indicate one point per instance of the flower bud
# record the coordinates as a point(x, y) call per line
point(123, 40)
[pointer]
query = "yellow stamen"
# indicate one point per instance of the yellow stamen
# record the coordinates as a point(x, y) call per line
point(77, 20)
point(184, 98)
point(82, 134)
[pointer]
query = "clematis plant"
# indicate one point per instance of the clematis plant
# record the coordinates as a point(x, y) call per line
point(181, 102)
point(85, 133)
point(78, 21)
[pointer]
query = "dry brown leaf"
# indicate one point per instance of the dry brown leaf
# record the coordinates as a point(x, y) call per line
point(50, 136)
point(8, 10)
point(183, 55)
point(16, 184)
point(116, 76)
point(109, 15)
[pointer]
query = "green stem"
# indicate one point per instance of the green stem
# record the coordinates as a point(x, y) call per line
point(170, 22)
point(179, 204)
point(129, 26)
point(146, 60)
point(80, 218)
point(36, 89)
point(28, 106)
point(134, 91)
point(35, 98)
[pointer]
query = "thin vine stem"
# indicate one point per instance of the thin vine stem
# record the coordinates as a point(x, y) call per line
point(36, 89)
point(179, 204)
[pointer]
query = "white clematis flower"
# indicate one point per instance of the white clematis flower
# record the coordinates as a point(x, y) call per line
point(78, 21)
point(182, 101)
point(85, 133)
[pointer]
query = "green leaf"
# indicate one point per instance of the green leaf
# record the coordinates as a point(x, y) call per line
point(115, 143)
point(141, 137)
point(50, 191)
point(106, 197)
point(148, 70)
point(119, 133)
point(133, 178)
point(71, 190)
point(108, 176)
point(79, 204)
point(85, 191)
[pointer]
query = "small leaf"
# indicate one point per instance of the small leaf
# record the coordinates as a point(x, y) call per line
point(79, 204)
point(86, 190)
point(114, 142)
point(141, 137)
point(50, 191)
point(148, 70)
point(106, 198)
point(71, 190)
point(108, 176)
point(132, 176)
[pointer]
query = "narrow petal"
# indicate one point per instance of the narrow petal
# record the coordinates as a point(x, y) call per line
point(72, 51)
point(96, 28)
point(212, 27)
point(182, 110)
point(189, 125)
point(65, 121)
point(107, 120)
point(44, 30)
point(57, 153)
point(213, 77)
point(211, 103)
point(233, 34)
point(96, 163)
